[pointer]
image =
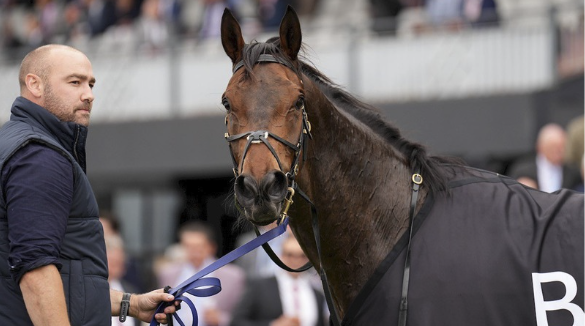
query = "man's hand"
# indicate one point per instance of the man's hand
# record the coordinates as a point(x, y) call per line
point(142, 306)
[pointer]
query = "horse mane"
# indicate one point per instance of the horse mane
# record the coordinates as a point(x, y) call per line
point(415, 154)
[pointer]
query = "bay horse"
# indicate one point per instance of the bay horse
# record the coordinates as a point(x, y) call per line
point(481, 248)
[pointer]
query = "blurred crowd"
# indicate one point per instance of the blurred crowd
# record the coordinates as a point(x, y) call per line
point(149, 24)
point(26, 24)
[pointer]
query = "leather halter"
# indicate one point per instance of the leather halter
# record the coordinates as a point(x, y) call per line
point(261, 137)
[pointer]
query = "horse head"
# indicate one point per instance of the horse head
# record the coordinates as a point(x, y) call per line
point(265, 116)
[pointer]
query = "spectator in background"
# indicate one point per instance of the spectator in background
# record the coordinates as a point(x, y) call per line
point(575, 142)
point(74, 27)
point(444, 13)
point(100, 15)
point(580, 187)
point(211, 23)
point(199, 245)
point(384, 14)
point(131, 275)
point(116, 270)
point(152, 27)
point(11, 43)
point(285, 299)
point(127, 11)
point(49, 13)
point(33, 34)
point(270, 13)
point(257, 263)
point(306, 8)
point(110, 224)
point(480, 13)
point(546, 171)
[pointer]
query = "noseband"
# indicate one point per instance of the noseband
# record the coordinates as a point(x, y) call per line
point(261, 136)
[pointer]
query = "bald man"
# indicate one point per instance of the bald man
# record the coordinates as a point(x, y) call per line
point(546, 171)
point(54, 269)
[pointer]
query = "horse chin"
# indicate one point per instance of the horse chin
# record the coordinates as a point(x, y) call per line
point(262, 223)
point(262, 215)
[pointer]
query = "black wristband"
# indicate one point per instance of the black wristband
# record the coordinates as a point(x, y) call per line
point(124, 306)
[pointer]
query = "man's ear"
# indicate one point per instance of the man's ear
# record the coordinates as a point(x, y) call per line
point(34, 85)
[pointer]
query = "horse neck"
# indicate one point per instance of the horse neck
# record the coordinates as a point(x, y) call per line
point(361, 189)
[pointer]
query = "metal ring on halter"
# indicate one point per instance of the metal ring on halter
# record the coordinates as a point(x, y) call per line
point(417, 178)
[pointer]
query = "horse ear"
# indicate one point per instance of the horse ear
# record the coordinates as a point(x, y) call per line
point(231, 36)
point(290, 33)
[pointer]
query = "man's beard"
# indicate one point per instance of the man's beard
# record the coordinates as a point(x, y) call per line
point(54, 105)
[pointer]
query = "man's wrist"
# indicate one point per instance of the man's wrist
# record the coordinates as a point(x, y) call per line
point(125, 306)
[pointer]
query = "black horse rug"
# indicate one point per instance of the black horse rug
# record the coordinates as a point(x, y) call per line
point(491, 252)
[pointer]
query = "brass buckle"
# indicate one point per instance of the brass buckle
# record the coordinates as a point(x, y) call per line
point(287, 202)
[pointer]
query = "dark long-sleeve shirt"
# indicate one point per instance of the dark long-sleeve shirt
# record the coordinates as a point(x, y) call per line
point(38, 183)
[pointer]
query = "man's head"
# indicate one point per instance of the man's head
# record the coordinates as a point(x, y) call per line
point(198, 241)
point(60, 79)
point(551, 143)
point(116, 256)
point(292, 254)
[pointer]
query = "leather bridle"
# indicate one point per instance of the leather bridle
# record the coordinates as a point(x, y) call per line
point(261, 137)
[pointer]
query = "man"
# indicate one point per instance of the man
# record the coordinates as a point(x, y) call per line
point(54, 269)
point(285, 299)
point(199, 246)
point(547, 171)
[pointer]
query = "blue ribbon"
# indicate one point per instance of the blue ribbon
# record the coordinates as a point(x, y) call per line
point(201, 286)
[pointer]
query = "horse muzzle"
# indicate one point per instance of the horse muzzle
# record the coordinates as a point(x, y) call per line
point(261, 201)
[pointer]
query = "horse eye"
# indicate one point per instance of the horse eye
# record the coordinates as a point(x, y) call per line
point(300, 103)
point(226, 103)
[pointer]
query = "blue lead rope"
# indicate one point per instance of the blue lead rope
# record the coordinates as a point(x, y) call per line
point(201, 286)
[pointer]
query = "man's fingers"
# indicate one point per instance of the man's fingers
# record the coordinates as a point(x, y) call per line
point(161, 318)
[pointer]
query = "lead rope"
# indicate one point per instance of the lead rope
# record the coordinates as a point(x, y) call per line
point(416, 182)
point(200, 286)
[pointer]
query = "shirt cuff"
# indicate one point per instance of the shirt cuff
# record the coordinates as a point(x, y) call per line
point(17, 271)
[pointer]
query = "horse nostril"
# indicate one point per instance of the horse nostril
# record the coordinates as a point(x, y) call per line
point(246, 190)
point(274, 186)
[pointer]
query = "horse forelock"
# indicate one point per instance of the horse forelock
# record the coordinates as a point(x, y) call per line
point(252, 52)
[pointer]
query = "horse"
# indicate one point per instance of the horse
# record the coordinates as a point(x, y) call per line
point(395, 225)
